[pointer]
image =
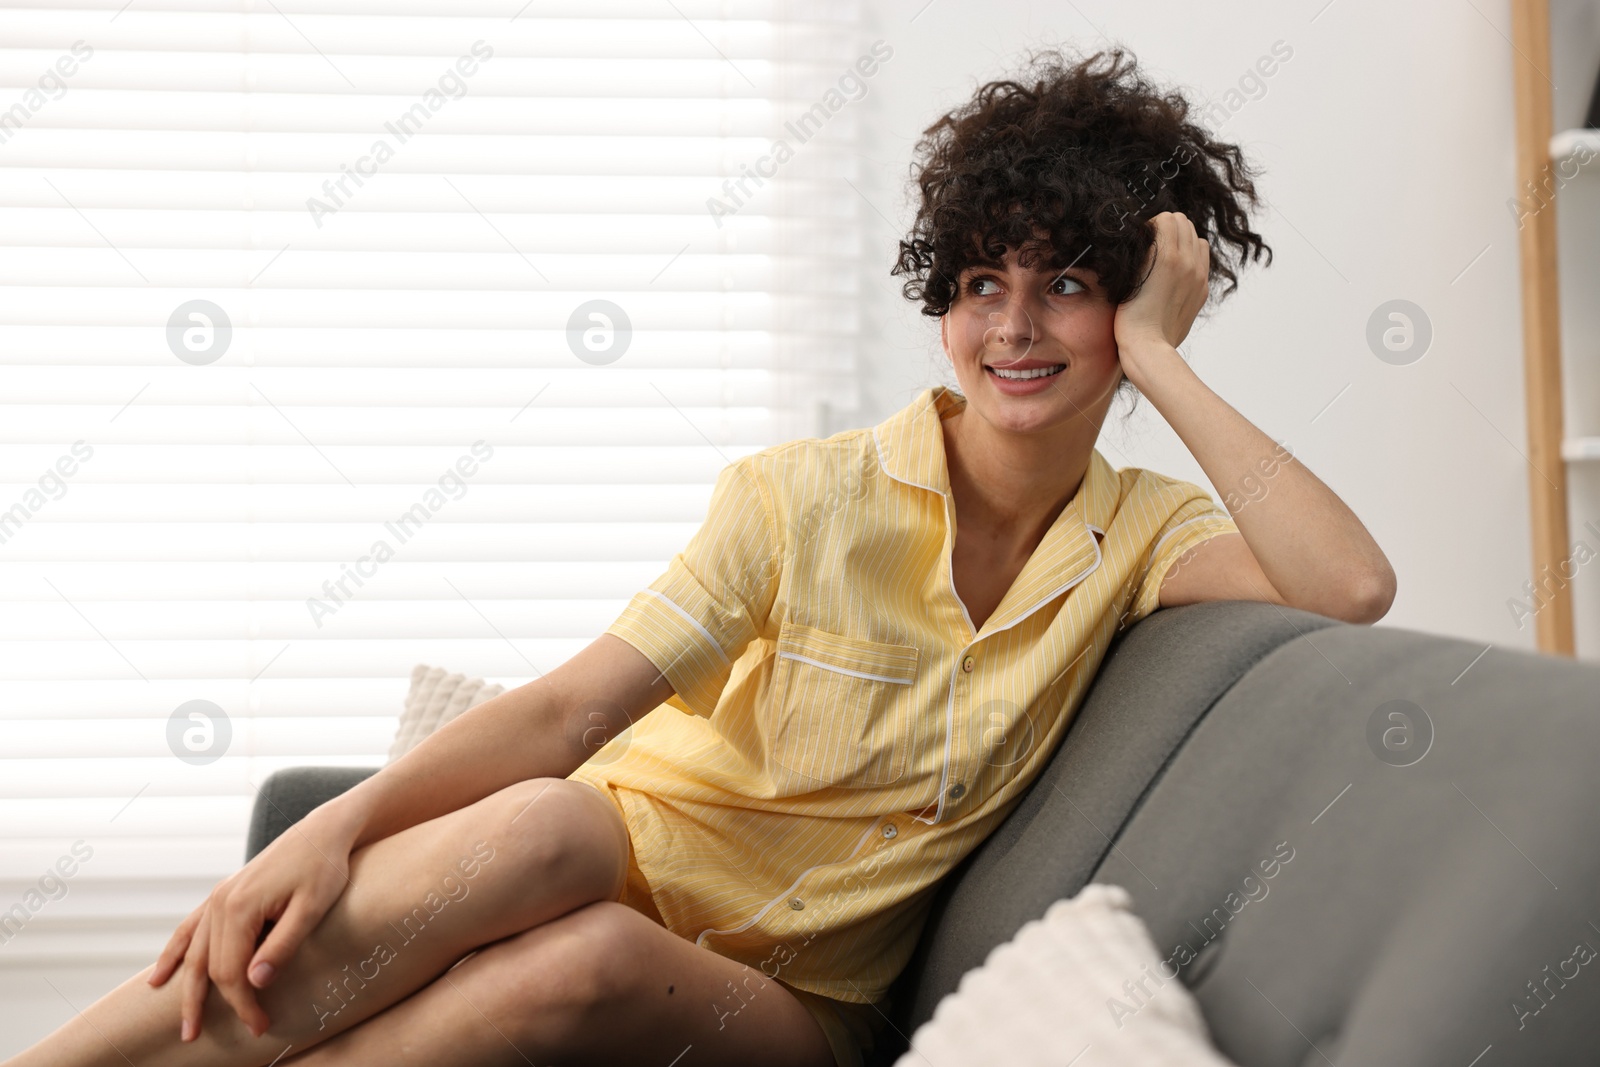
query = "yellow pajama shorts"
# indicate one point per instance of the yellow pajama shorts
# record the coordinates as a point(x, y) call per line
point(852, 1029)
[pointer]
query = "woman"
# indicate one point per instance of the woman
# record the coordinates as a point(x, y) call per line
point(844, 682)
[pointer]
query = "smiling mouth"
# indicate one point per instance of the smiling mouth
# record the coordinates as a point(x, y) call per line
point(1023, 375)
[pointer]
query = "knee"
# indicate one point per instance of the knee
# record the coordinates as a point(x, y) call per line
point(554, 984)
point(598, 951)
point(556, 825)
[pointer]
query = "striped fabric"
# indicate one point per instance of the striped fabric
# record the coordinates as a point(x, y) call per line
point(840, 737)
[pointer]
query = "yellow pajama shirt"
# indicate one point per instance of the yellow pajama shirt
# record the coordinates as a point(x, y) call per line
point(840, 737)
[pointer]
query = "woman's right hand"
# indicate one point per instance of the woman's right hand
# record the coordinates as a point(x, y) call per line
point(292, 883)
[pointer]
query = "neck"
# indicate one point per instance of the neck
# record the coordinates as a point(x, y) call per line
point(1010, 484)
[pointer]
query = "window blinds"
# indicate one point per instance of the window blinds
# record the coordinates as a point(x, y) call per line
point(341, 336)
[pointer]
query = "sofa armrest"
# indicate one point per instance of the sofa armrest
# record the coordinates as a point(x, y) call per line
point(1437, 804)
point(287, 796)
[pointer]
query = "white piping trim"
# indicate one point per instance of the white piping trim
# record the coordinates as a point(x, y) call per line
point(877, 444)
point(844, 670)
point(1074, 580)
point(964, 613)
point(949, 731)
point(691, 620)
point(1210, 517)
point(700, 938)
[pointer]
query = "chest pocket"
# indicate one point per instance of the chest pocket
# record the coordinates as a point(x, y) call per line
point(839, 712)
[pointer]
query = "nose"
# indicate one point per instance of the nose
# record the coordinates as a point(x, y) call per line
point(1012, 324)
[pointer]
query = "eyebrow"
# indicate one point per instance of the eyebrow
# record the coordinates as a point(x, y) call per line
point(1000, 268)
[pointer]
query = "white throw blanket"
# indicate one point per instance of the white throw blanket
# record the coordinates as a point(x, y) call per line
point(1083, 986)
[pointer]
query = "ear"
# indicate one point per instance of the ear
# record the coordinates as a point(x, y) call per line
point(944, 336)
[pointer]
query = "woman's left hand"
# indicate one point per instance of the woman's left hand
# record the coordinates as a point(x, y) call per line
point(1174, 291)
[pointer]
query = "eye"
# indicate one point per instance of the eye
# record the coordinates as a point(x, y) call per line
point(1063, 280)
point(977, 280)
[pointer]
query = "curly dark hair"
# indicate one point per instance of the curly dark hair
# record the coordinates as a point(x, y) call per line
point(1085, 153)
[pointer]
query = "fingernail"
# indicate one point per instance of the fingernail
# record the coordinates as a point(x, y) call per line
point(261, 974)
point(188, 1030)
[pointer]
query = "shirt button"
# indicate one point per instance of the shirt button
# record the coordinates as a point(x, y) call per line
point(889, 830)
point(956, 791)
point(796, 903)
point(966, 664)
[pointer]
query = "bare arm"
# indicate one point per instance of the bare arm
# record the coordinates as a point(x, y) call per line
point(544, 729)
point(1299, 545)
point(1302, 546)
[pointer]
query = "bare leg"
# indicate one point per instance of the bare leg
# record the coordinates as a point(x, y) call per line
point(537, 850)
point(599, 985)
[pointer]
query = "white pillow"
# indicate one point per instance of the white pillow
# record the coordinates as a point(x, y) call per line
point(435, 698)
point(1057, 989)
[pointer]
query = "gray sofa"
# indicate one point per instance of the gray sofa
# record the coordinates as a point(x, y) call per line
point(1439, 904)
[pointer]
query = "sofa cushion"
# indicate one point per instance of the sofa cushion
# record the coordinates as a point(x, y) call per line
point(436, 696)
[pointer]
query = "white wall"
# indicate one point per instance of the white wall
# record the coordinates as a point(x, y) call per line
point(1387, 148)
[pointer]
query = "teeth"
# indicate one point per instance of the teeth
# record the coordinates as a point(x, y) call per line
point(1037, 372)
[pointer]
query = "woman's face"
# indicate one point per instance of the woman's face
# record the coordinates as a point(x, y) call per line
point(1032, 350)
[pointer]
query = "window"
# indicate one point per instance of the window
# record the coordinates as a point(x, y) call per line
point(335, 341)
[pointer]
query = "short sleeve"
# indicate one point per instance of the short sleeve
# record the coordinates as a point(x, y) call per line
point(715, 595)
point(1192, 517)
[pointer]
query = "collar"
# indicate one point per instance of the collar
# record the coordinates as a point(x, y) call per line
point(911, 450)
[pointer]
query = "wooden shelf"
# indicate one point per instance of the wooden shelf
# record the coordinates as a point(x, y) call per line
point(1536, 143)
